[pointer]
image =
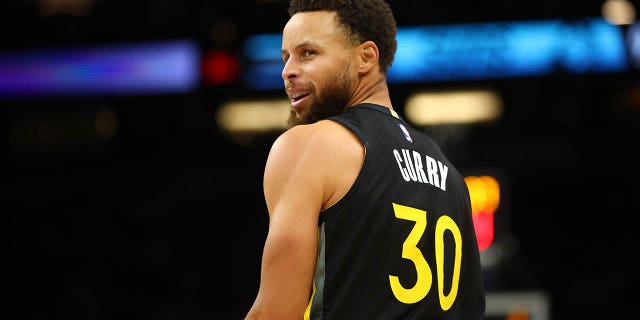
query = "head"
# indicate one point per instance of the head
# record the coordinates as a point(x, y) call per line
point(329, 47)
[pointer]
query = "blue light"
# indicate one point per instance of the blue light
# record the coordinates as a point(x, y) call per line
point(263, 54)
point(475, 51)
point(633, 40)
point(162, 67)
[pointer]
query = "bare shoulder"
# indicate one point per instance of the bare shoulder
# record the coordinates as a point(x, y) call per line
point(326, 151)
point(319, 140)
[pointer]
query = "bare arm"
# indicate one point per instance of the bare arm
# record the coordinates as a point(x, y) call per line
point(309, 168)
point(294, 195)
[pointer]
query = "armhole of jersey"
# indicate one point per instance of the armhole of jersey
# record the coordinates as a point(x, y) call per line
point(358, 132)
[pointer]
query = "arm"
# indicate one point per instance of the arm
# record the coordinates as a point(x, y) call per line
point(294, 194)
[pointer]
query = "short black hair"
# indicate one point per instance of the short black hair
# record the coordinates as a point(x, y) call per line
point(364, 19)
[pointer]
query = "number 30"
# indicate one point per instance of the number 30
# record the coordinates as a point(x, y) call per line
point(411, 252)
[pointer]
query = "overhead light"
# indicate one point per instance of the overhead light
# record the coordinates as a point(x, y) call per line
point(453, 107)
point(254, 115)
point(618, 12)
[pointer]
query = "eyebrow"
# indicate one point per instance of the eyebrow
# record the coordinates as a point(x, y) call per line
point(304, 44)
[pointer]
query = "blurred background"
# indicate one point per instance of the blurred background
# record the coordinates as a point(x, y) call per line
point(135, 133)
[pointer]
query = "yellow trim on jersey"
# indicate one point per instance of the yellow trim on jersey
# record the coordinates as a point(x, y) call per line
point(307, 312)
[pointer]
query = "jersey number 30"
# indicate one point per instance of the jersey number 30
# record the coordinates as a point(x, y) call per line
point(411, 252)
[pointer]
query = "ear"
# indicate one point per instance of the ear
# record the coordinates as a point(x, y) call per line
point(369, 55)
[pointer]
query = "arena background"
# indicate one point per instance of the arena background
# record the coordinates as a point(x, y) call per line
point(164, 218)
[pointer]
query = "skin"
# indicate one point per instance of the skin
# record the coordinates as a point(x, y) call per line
point(315, 162)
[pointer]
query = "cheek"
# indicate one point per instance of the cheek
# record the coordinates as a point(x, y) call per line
point(331, 74)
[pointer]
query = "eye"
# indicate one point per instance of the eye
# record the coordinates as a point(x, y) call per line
point(308, 53)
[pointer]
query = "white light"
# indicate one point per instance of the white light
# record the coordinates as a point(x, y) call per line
point(254, 115)
point(455, 107)
point(618, 12)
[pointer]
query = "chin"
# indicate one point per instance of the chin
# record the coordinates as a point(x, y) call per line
point(293, 120)
point(297, 119)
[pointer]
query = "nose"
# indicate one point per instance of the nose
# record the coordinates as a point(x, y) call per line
point(290, 70)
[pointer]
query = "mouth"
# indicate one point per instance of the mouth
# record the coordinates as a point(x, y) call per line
point(297, 99)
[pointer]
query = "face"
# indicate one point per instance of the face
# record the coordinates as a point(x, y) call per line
point(318, 72)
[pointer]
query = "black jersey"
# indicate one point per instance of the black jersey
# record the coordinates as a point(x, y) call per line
point(400, 244)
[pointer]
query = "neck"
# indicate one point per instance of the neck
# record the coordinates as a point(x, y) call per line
point(376, 92)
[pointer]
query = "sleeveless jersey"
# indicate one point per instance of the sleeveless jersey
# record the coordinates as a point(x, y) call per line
point(400, 244)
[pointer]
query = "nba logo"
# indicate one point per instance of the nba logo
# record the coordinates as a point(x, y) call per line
point(406, 132)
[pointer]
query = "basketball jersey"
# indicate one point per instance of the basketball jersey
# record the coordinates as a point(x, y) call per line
point(400, 244)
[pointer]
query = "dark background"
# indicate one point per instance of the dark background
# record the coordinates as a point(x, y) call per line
point(167, 220)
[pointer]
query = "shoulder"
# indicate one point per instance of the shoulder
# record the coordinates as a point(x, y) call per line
point(313, 140)
point(326, 151)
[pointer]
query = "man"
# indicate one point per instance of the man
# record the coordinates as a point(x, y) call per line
point(367, 217)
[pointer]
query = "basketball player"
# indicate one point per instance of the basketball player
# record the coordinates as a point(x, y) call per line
point(368, 219)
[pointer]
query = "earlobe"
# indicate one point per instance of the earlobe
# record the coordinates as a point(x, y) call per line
point(368, 55)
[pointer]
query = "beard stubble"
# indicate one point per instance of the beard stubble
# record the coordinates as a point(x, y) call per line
point(332, 101)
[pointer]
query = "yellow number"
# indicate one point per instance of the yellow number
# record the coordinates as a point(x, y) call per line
point(411, 252)
point(446, 223)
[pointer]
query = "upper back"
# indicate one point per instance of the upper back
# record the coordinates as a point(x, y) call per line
point(400, 244)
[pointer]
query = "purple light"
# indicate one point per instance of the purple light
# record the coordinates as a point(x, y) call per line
point(143, 68)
